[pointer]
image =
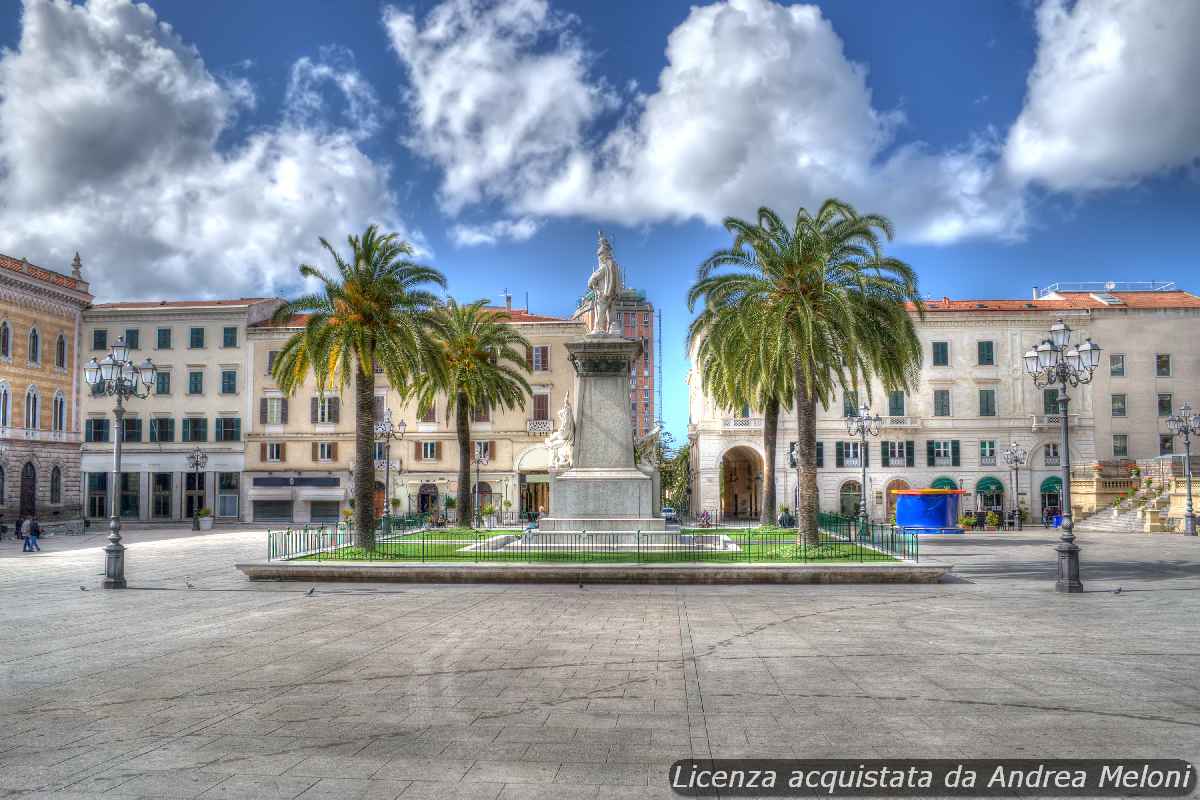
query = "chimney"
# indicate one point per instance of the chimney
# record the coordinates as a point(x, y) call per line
point(1035, 293)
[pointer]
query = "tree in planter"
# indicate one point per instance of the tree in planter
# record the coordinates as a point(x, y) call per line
point(822, 290)
point(479, 364)
point(992, 519)
point(373, 311)
point(487, 511)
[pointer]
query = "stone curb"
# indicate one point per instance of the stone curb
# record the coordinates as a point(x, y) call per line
point(886, 572)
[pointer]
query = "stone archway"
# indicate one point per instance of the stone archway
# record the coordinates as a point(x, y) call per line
point(890, 498)
point(741, 483)
point(849, 497)
point(427, 498)
point(28, 501)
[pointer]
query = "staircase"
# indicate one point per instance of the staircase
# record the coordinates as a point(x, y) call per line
point(1125, 522)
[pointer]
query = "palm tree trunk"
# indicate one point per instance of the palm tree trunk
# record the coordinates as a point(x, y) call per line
point(770, 437)
point(462, 425)
point(806, 454)
point(364, 458)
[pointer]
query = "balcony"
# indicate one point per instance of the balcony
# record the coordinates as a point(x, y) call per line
point(1042, 421)
point(33, 435)
point(854, 461)
point(901, 422)
point(1053, 461)
point(943, 461)
point(987, 461)
point(542, 426)
point(743, 423)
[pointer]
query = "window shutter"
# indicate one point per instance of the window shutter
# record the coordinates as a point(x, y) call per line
point(271, 360)
point(909, 454)
point(820, 454)
point(954, 453)
point(283, 411)
point(546, 359)
point(929, 453)
point(312, 410)
point(416, 451)
point(316, 453)
point(262, 451)
point(333, 451)
point(840, 457)
point(283, 451)
point(529, 358)
point(883, 454)
point(491, 450)
point(262, 411)
point(437, 451)
point(335, 409)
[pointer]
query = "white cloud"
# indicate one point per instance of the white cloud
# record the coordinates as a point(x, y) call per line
point(1112, 97)
point(758, 104)
point(516, 230)
point(116, 141)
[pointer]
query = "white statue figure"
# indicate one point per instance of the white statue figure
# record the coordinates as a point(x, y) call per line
point(645, 448)
point(561, 440)
point(605, 284)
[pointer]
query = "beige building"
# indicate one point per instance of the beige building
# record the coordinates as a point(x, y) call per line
point(300, 449)
point(40, 322)
point(202, 399)
point(972, 399)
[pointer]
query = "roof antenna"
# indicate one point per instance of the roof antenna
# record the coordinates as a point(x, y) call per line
point(527, 302)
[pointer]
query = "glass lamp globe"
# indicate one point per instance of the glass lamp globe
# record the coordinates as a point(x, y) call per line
point(119, 351)
point(1060, 333)
point(1090, 353)
point(108, 368)
point(1031, 361)
point(91, 372)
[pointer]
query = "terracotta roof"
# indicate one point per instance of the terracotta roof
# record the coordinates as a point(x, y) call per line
point(136, 304)
point(34, 271)
point(1071, 301)
point(295, 321)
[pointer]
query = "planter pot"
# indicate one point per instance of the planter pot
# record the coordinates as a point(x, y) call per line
point(206, 523)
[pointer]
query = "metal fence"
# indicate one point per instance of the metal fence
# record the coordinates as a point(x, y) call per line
point(839, 539)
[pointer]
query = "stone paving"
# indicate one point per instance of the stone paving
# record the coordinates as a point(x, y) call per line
point(234, 689)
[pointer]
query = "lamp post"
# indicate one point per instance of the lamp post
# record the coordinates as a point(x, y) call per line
point(862, 425)
point(1185, 424)
point(1058, 362)
point(1015, 457)
point(197, 461)
point(118, 377)
point(385, 432)
point(481, 459)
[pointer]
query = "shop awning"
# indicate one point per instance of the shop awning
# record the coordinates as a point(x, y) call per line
point(944, 483)
point(1052, 485)
point(989, 485)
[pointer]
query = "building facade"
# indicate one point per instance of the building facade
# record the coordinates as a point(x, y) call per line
point(300, 448)
point(40, 323)
point(201, 401)
point(971, 400)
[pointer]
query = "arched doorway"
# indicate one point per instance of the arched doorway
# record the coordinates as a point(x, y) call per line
point(28, 504)
point(892, 487)
point(483, 491)
point(380, 498)
point(427, 498)
point(1051, 492)
point(741, 483)
point(989, 492)
point(849, 497)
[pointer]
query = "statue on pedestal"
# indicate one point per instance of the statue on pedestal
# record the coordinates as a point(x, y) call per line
point(561, 440)
point(605, 284)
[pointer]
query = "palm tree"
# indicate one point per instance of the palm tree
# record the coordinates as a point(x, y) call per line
point(374, 312)
point(823, 289)
point(478, 364)
point(741, 365)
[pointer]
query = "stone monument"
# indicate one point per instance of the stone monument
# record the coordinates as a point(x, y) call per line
point(596, 483)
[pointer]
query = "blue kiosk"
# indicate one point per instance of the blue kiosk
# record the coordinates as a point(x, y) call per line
point(928, 511)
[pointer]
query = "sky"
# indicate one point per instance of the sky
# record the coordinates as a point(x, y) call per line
point(192, 149)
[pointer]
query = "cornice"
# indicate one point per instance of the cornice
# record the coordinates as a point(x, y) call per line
point(46, 299)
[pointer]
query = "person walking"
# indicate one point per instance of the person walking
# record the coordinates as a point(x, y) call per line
point(32, 532)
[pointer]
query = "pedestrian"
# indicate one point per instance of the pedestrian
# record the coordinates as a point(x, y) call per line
point(32, 532)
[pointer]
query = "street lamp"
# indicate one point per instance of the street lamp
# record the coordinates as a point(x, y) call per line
point(862, 425)
point(1186, 424)
point(1057, 362)
point(1015, 457)
point(385, 432)
point(197, 461)
point(481, 459)
point(118, 377)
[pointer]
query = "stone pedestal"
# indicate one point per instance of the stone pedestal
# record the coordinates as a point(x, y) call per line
point(603, 490)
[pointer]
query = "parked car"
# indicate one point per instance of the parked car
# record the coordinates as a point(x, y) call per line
point(669, 514)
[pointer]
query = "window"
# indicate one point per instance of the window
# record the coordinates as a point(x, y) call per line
point(96, 430)
point(481, 414)
point(1051, 455)
point(271, 356)
point(162, 382)
point(1116, 365)
point(162, 429)
point(195, 382)
point(1164, 405)
point(228, 429)
point(227, 494)
point(229, 381)
point(5, 405)
point(32, 409)
point(849, 404)
point(325, 410)
point(429, 451)
point(941, 453)
point(381, 451)
point(35, 347)
point(485, 449)
point(1120, 445)
point(272, 411)
point(541, 406)
point(160, 494)
point(60, 352)
point(541, 358)
point(941, 354)
point(941, 402)
point(987, 354)
point(1166, 444)
point(229, 336)
point(5, 340)
point(195, 429)
point(1118, 405)
point(55, 486)
point(851, 454)
point(896, 404)
point(99, 339)
point(133, 339)
point(897, 454)
point(325, 451)
point(987, 452)
point(196, 338)
point(164, 338)
point(987, 402)
point(132, 430)
point(97, 494)
point(58, 413)
point(1162, 365)
point(274, 451)
point(1050, 401)
point(130, 494)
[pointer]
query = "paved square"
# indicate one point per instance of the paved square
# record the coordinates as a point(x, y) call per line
point(241, 690)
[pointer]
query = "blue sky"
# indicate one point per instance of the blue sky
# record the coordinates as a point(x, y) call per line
point(1014, 144)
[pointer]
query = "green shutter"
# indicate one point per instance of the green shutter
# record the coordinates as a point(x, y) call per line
point(929, 453)
point(909, 454)
point(954, 453)
point(840, 456)
point(820, 454)
point(883, 454)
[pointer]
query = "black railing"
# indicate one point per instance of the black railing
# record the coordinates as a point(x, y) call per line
point(838, 539)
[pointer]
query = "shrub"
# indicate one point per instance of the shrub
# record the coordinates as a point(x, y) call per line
point(993, 519)
point(204, 512)
point(487, 510)
point(451, 502)
point(965, 521)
